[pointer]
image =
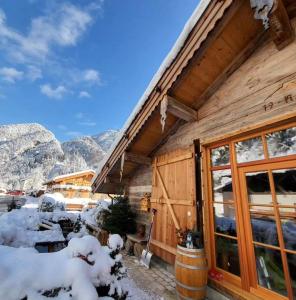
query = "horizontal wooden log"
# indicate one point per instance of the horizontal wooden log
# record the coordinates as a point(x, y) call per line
point(164, 246)
point(137, 158)
point(173, 201)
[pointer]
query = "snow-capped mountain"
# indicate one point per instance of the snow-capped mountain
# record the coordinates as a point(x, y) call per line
point(30, 154)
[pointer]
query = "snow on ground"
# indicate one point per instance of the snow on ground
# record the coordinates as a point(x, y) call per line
point(135, 293)
point(20, 227)
point(76, 270)
point(24, 271)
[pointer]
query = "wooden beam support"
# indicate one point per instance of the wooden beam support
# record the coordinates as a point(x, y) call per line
point(137, 158)
point(275, 19)
point(281, 30)
point(176, 108)
point(115, 180)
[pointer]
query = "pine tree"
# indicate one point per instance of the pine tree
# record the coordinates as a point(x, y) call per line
point(119, 218)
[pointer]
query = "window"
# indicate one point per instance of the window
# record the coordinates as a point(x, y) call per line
point(253, 191)
point(224, 211)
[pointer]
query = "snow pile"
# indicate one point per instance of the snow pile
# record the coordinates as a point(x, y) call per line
point(20, 227)
point(92, 216)
point(52, 202)
point(115, 241)
point(77, 269)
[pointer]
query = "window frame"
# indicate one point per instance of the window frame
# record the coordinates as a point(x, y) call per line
point(244, 281)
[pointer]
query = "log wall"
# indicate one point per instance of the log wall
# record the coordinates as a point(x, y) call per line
point(140, 184)
point(263, 88)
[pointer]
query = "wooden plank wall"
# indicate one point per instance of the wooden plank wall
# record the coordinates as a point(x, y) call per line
point(177, 171)
point(264, 87)
point(140, 184)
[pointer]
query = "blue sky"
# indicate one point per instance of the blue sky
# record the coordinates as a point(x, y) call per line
point(79, 67)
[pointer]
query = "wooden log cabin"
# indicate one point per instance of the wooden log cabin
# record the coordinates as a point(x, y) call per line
point(72, 185)
point(75, 186)
point(215, 134)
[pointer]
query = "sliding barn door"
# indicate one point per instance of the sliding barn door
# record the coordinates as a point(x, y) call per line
point(173, 178)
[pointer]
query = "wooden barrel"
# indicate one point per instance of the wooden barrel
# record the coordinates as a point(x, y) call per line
point(191, 273)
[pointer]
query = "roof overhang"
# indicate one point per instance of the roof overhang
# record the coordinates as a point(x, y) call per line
point(217, 39)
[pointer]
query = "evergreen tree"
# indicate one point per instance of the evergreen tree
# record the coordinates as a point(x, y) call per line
point(119, 218)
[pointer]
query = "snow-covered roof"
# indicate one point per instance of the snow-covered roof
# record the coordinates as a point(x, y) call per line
point(198, 12)
point(71, 175)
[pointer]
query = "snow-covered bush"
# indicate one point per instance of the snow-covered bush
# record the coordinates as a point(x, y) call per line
point(21, 227)
point(82, 271)
point(51, 202)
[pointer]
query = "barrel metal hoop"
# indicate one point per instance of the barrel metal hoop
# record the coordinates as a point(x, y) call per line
point(191, 267)
point(191, 288)
point(190, 255)
point(181, 297)
point(189, 250)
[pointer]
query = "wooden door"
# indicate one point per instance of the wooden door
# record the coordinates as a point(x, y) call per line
point(268, 201)
point(173, 178)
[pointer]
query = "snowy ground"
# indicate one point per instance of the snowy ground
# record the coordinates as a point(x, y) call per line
point(76, 271)
point(155, 283)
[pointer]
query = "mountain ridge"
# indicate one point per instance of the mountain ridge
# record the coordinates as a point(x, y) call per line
point(30, 154)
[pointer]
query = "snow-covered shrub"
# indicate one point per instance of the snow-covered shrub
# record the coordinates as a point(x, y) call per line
point(93, 216)
point(82, 271)
point(21, 227)
point(51, 202)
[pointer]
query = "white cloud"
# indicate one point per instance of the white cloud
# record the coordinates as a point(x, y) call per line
point(88, 123)
point(62, 26)
point(50, 92)
point(84, 94)
point(34, 73)
point(91, 76)
point(11, 74)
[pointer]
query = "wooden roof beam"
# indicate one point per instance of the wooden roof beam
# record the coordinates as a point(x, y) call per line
point(133, 158)
point(115, 180)
point(176, 108)
point(275, 19)
point(137, 158)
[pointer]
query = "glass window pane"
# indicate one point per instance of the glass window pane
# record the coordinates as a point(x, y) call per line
point(270, 272)
point(292, 268)
point(222, 185)
point(220, 156)
point(225, 219)
point(264, 229)
point(285, 186)
point(289, 233)
point(227, 257)
point(249, 150)
point(281, 143)
point(259, 188)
